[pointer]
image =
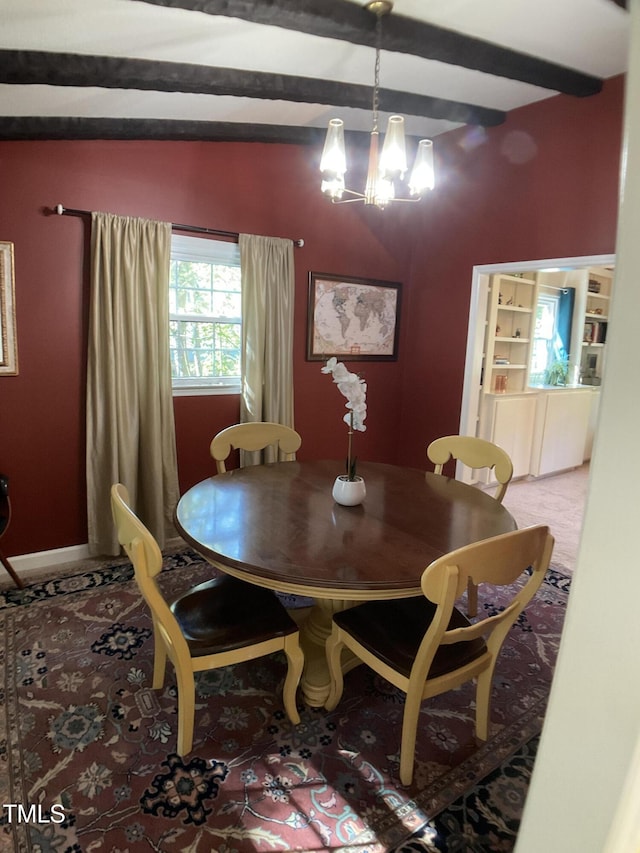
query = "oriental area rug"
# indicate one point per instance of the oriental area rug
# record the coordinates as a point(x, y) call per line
point(87, 748)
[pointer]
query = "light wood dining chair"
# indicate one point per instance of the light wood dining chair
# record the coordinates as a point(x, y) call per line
point(425, 646)
point(220, 622)
point(256, 436)
point(253, 436)
point(474, 453)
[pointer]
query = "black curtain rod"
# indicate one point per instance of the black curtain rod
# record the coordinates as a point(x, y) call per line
point(193, 229)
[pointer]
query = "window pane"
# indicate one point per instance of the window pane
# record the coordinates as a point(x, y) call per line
point(545, 319)
point(204, 350)
point(205, 311)
point(226, 277)
point(205, 289)
point(226, 304)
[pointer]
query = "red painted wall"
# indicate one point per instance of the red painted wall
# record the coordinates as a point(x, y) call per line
point(560, 202)
point(263, 189)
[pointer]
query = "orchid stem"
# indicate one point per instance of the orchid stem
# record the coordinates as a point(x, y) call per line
point(349, 471)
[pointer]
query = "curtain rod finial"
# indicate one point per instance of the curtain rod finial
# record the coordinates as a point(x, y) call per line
point(299, 243)
point(59, 209)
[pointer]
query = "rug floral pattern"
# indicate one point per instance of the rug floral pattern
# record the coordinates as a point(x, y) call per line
point(486, 818)
point(88, 747)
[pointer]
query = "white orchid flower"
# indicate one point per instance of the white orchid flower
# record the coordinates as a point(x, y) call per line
point(330, 365)
point(354, 389)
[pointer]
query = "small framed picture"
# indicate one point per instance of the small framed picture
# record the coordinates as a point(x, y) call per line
point(8, 344)
point(356, 319)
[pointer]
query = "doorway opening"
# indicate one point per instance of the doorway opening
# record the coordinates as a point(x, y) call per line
point(518, 343)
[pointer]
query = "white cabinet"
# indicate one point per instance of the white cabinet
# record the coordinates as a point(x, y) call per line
point(509, 423)
point(562, 423)
point(543, 430)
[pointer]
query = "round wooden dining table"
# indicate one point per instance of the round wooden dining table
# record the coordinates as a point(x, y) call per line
point(277, 526)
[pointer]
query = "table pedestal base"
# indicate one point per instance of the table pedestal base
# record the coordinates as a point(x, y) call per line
point(314, 631)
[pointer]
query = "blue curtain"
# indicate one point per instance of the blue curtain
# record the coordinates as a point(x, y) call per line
point(562, 342)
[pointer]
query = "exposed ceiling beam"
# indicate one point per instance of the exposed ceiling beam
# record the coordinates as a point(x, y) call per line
point(346, 21)
point(17, 128)
point(69, 69)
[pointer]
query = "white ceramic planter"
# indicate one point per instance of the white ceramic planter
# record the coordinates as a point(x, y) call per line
point(349, 492)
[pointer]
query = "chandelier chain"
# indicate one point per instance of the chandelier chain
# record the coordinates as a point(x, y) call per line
point(376, 79)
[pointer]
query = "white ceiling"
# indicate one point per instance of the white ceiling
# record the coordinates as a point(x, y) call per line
point(587, 35)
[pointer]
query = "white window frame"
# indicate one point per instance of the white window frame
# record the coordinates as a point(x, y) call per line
point(201, 250)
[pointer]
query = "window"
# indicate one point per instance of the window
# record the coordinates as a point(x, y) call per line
point(552, 337)
point(205, 324)
point(544, 338)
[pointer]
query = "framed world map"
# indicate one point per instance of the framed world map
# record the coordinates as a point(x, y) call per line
point(354, 318)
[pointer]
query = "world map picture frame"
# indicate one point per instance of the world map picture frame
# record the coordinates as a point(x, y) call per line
point(352, 318)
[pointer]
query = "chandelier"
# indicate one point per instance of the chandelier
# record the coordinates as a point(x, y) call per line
point(388, 167)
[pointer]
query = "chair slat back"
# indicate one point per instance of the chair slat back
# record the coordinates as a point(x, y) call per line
point(252, 437)
point(499, 561)
point(146, 557)
point(474, 453)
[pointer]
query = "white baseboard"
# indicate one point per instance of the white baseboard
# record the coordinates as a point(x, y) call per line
point(27, 563)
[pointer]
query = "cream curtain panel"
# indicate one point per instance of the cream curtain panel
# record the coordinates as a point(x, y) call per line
point(267, 334)
point(130, 423)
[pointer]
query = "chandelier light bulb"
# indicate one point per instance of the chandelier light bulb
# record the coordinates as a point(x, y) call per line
point(423, 173)
point(333, 163)
point(393, 160)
